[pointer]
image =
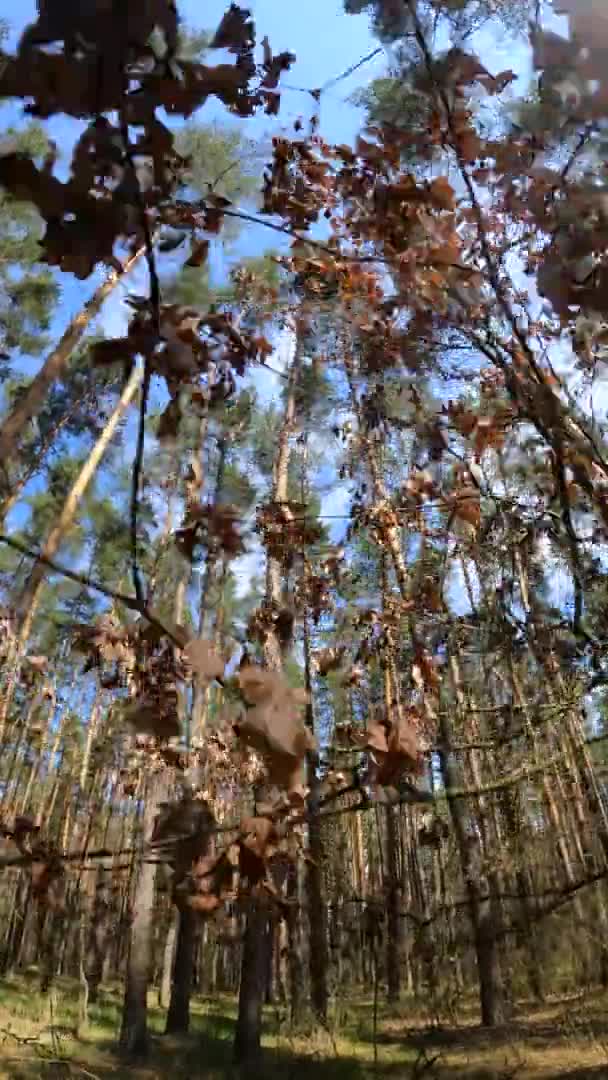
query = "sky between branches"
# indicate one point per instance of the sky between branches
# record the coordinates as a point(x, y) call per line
point(326, 42)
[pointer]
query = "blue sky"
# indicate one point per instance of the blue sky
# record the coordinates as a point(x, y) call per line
point(324, 39)
point(326, 42)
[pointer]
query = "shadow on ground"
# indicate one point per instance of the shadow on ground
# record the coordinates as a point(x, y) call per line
point(203, 1055)
point(547, 1043)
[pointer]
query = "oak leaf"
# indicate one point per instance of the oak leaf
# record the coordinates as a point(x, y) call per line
point(147, 716)
point(205, 660)
point(466, 505)
point(273, 724)
point(329, 659)
point(235, 31)
point(198, 254)
point(442, 193)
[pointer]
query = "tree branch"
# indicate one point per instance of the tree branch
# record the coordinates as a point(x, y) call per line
point(131, 602)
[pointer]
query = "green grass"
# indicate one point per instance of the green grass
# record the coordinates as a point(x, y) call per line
point(37, 1039)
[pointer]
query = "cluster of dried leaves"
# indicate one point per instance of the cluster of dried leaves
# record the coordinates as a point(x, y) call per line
point(442, 243)
point(143, 660)
point(126, 63)
point(206, 880)
point(44, 861)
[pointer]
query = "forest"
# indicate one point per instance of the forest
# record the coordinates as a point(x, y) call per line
point(304, 539)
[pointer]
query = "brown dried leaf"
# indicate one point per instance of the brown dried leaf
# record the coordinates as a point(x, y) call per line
point(467, 506)
point(169, 422)
point(199, 253)
point(403, 739)
point(329, 659)
point(424, 671)
point(148, 717)
point(257, 685)
point(204, 903)
point(38, 663)
point(257, 833)
point(274, 726)
point(205, 660)
point(442, 193)
point(235, 31)
point(377, 736)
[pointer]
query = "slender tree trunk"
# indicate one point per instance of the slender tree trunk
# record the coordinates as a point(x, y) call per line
point(168, 962)
point(34, 463)
point(555, 819)
point(134, 1030)
point(19, 911)
point(317, 908)
point(496, 977)
point(99, 937)
point(199, 693)
point(178, 1017)
point(315, 884)
point(43, 810)
point(393, 904)
point(391, 882)
point(30, 596)
point(295, 962)
point(486, 950)
point(92, 727)
point(247, 1044)
point(56, 362)
point(182, 965)
point(525, 888)
point(391, 532)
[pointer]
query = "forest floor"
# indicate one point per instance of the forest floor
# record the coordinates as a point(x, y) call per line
point(567, 1037)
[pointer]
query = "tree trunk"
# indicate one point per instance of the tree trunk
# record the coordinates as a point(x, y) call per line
point(200, 693)
point(178, 1017)
point(555, 819)
point(317, 909)
point(168, 962)
point(294, 945)
point(391, 882)
point(486, 950)
point(247, 1043)
point(185, 926)
point(30, 595)
point(55, 364)
point(393, 904)
point(15, 485)
point(82, 1023)
point(100, 935)
point(134, 1029)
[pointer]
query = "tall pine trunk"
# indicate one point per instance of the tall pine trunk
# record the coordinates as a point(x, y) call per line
point(178, 1016)
point(393, 906)
point(484, 933)
point(31, 593)
point(254, 961)
point(317, 908)
point(30, 404)
point(179, 965)
point(134, 1028)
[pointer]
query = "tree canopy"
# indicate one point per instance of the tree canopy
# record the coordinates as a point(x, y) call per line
point(330, 661)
